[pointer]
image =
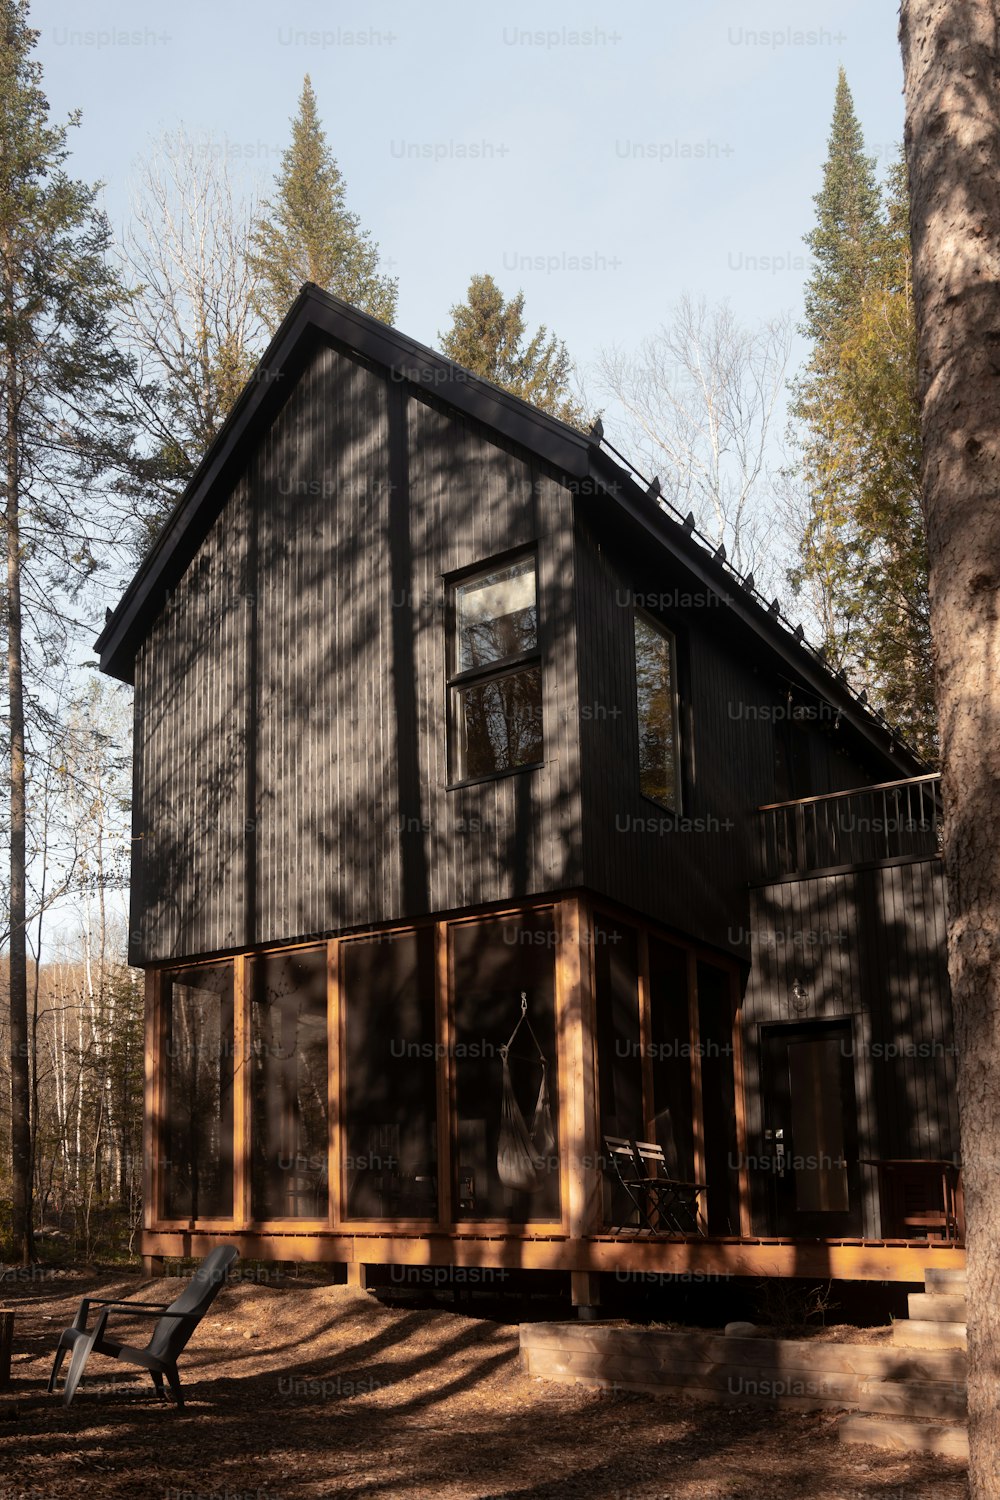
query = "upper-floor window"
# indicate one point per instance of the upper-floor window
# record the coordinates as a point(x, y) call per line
point(656, 707)
point(496, 671)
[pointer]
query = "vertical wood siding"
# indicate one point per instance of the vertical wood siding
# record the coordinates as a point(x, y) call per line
point(690, 872)
point(869, 946)
point(292, 771)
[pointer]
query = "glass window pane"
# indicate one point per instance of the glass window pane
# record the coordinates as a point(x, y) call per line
point(496, 615)
point(289, 1114)
point(501, 722)
point(654, 682)
point(198, 1108)
point(493, 962)
point(390, 1076)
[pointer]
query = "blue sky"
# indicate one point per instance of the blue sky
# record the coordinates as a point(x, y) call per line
point(604, 160)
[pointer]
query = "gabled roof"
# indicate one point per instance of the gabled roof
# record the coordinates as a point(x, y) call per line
point(315, 316)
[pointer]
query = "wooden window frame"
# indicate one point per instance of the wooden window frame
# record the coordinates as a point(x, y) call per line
point(670, 637)
point(490, 672)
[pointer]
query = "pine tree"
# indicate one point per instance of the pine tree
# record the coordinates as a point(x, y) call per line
point(307, 233)
point(57, 367)
point(862, 549)
point(489, 337)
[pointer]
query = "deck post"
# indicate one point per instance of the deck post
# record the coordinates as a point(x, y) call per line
point(585, 1292)
point(580, 1177)
point(152, 1265)
point(357, 1275)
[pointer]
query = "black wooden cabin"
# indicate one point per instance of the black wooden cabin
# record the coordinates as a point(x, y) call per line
point(437, 704)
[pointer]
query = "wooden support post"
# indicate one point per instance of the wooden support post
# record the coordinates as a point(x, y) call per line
point(152, 1148)
point(580, 1174)
point(242, 1092)
point(697, 1101)
point(585, 1292)
point(445, 1074)
point(357, 1275)
point(152, 1265)
point(334, 1052)
point(741, 1103)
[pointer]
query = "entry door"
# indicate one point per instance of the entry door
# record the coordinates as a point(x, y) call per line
point(810, 1141)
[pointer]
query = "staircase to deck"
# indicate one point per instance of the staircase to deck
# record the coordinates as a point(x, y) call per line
point(918, 1414)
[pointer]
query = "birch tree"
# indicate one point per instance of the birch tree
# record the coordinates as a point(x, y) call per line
point(701, 401)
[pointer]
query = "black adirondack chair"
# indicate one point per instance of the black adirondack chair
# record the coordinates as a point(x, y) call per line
point(175, 1323)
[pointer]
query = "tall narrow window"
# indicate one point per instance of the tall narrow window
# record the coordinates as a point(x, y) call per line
point(198, 1108)
point(289, 1073)
point(496, 672)
point(656, 706)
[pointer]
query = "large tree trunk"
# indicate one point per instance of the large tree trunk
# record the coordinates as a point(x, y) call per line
point(951, 60)
point(20, 1076)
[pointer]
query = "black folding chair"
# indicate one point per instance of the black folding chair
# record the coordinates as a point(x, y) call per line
point(672, 1205)
point(175, 1324)
point(621, 1159)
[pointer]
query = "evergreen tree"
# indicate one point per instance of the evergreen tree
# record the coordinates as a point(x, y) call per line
point(862, 551)
point(489, 337)
point(57, 428)
point(307, 233)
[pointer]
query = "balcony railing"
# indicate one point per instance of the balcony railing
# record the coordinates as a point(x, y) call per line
point(897, 820)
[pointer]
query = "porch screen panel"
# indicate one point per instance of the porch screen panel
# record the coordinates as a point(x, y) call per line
point(493, 962)
point(718, 1092)
point(289, 1113)
point(670, 1039)
point(197, 1138)
point(390, 1102)
point(619, 1051)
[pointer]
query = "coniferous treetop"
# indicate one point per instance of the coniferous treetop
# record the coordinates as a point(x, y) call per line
point(306, 232)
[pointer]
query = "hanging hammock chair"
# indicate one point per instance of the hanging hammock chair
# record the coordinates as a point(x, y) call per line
point(523, 1155)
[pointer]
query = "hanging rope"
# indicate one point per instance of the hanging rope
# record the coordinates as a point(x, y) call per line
point(522, 1153)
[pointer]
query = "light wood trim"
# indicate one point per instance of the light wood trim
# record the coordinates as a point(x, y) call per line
point(736, 1011)
point(697, 1100)
point(242, 1091)
point(445, 1072)
point(581, 1147)
point(693, 1258)
point(646, 1035)
point(571, 1143)
point(334, 1084)
point(152, 1144)
point(854, 791)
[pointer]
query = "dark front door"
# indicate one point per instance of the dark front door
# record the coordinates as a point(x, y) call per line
point(810, 1129)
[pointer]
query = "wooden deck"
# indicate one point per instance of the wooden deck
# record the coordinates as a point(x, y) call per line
point(701, 1258)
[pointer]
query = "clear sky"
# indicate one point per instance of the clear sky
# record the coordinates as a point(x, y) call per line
point(605, 160)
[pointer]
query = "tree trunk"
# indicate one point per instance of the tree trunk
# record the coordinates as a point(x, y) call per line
point(951, 59)
point(20, 1080)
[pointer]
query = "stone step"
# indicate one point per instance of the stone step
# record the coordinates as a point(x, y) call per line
point(919, 1333)
point(943, 1400)
point(903, 1436)
point(941, 1279)
point(937, 1307)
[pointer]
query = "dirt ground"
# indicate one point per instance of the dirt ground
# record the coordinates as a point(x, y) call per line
point(305, 1389)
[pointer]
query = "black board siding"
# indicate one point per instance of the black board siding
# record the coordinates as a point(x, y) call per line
point(292, 775)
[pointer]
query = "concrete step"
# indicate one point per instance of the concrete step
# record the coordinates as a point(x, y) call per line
point(903, 1436)
point(941, 1400)
point(921, 1333)
point(937, 1307)
point(939, 1279)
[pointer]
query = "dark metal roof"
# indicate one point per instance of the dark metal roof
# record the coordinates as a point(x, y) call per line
point(316, 316)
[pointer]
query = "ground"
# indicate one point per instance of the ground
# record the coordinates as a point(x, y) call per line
point(305, 1389)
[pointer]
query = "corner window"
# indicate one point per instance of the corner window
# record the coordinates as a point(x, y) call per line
point(496, 672)
point(656, 708)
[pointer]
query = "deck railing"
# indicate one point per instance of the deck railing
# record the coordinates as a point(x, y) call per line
point(896, 820)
